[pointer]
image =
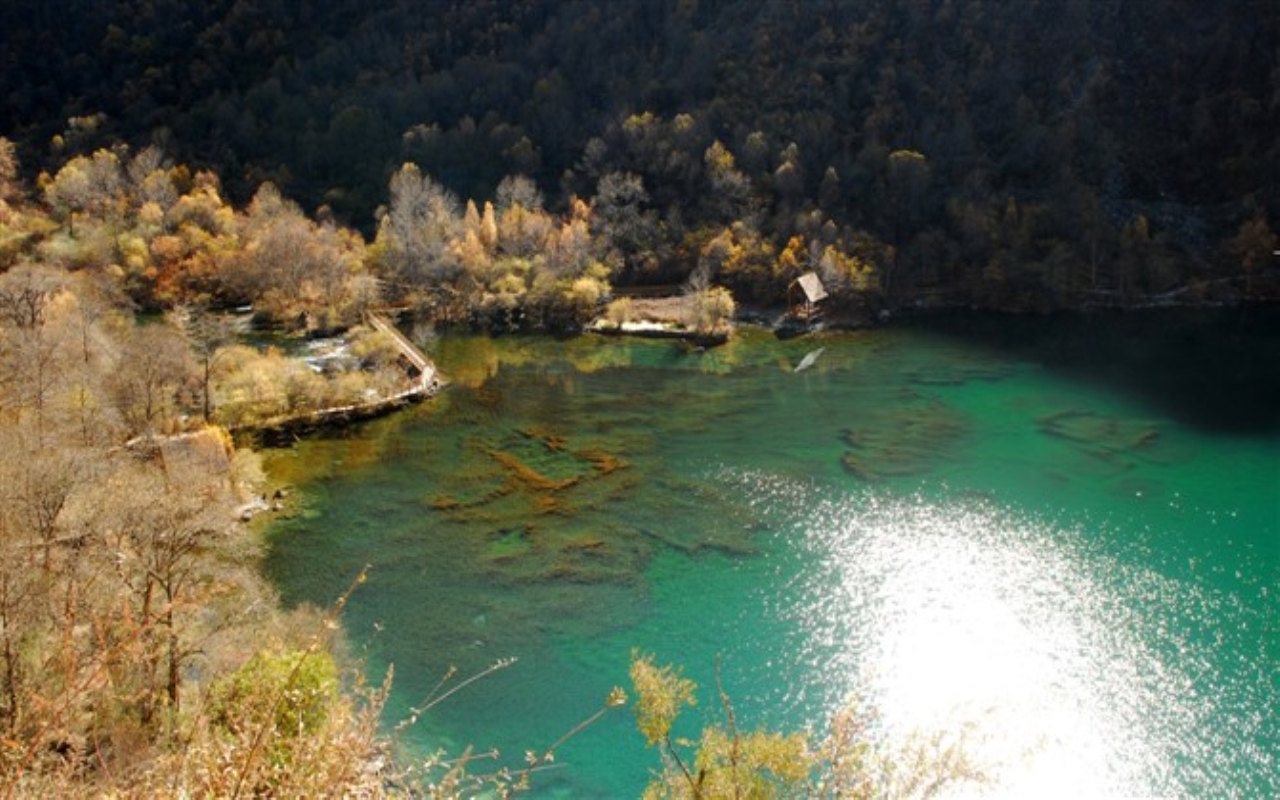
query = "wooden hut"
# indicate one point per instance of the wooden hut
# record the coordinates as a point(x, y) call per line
point(811, 292)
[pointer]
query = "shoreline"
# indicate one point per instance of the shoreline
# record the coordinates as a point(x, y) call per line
point(293, 424)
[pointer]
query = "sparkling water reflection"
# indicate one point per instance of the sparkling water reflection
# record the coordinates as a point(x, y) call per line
point(1068, 672)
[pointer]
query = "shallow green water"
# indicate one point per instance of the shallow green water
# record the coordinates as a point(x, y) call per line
point(1062, 536)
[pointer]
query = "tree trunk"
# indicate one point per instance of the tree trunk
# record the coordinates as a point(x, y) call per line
point(207, 359)
point(174, 658)
point(10, 661)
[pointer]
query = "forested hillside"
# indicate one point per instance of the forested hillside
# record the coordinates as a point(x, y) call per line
point(505, 164)
point(1016, 155)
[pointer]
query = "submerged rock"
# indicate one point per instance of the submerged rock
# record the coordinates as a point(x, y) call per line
point(906, 438)
point(1103, 437)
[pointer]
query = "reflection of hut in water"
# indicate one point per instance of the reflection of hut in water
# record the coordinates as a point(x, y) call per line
point(804, 294)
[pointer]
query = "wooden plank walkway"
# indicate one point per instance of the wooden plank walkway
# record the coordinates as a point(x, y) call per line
point(413, 356)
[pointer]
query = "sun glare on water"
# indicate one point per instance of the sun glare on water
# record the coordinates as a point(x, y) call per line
point(1048, 661)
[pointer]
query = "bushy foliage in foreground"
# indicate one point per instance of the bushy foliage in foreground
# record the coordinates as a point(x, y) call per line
point(131, 605)
point(727, 761)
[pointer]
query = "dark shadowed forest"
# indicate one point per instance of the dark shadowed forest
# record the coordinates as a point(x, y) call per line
point(1021, 156)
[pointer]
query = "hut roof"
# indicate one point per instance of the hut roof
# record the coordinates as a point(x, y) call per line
point(812, 287)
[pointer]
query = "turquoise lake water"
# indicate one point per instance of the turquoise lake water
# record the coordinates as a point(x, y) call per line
point(1060, 537)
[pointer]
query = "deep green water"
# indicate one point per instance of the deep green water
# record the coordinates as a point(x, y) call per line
point(1060, 536)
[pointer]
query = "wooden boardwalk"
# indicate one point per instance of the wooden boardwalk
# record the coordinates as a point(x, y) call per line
point(420, 368)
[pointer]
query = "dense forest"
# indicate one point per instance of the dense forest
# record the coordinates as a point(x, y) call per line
point(1061, 153)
